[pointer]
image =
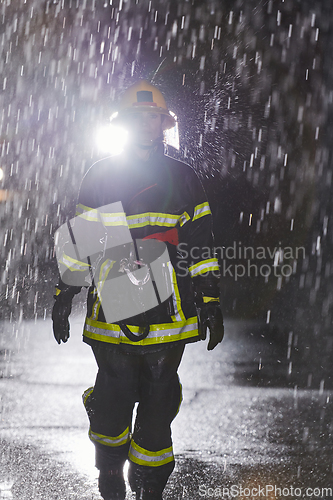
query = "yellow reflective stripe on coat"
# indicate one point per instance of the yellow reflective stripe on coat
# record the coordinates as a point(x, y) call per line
point(204, 266)
point(80, 209)
point(210, 299)
point(104, 271)
point(114, 219)
point(184, 218)
point(177, 305)
point(123, 438)
point(152, 219)
point(158, 334)
point(133, 221)
point(201, 211)
point(106, 218)
point(141, 456)
point(73, 264)
point(103, 274)
point(89, 214)
point(96, 307)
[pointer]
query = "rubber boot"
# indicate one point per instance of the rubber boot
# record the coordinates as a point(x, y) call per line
point(149, 482)
point(110, 462)
point(148, 494)
point(111, 484)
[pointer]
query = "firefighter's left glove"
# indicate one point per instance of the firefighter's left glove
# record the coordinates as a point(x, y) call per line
point(60, 313)
point(210, 316)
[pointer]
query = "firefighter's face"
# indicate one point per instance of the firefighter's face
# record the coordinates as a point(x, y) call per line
point(145, 127)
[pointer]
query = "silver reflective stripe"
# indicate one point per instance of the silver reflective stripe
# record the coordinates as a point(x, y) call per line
point(114, 219)
point(103, 274)
point(152, 219)
point(204, 266)
point(145, 457)
point(184, 218)
point(95, 308)
point(171, 331)
point(155, 331)
point(201, 210)
point(109, 440)
point(72, 264)
point(112, 332)
point(86, 395)
point(117, 218)
point(176, 300)
point(80, 209)
point(91, 215)
point(104, 271)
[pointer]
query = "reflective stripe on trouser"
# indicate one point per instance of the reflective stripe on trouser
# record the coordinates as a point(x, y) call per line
point(123, 438)
point(150, 458)
point(111, 450)
point(95, 437)
point(149, 470)
point(151, 454)
point(151, 380)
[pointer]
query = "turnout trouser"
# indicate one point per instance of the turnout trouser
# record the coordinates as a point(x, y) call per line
point(150, 380)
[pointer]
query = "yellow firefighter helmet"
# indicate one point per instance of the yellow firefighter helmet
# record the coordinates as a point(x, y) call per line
point(140, 97)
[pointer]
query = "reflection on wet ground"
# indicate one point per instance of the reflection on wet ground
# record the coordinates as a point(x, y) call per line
point(195, 479)
point(267, 355)
point(264, 430)
point(289, 445)
point(244, 424)
point(28, 474)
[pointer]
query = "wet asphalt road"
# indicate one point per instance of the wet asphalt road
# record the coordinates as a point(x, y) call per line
point(244, 429)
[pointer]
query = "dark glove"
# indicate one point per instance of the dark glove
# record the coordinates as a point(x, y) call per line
point(206, 294)
point(61, 311)
point(210, 316)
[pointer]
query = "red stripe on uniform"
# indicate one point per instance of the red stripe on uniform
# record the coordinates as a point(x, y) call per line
point(170, 236)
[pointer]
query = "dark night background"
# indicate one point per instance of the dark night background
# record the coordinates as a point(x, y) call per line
point(251, 83)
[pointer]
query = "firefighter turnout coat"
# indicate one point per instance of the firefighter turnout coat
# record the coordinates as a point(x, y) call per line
point(162, 200)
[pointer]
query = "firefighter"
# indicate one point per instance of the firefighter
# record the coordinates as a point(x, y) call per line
point(163, 202)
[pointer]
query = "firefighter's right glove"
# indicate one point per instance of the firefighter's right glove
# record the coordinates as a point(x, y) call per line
point(210, 316)
point(60, 313)
point(206, 296)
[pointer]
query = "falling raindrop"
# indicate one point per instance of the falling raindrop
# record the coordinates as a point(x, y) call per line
point(251, 86)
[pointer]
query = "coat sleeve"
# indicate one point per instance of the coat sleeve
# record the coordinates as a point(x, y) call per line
point(196, 235)
point(75, 241)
